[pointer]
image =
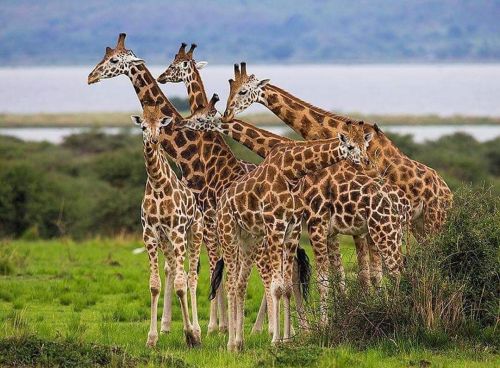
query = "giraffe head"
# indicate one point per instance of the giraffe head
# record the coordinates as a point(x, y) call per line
point(115, 62)
point(204, 118)
point(152, 123)
point(183, 66)
point(354, 142)
point(243, 91)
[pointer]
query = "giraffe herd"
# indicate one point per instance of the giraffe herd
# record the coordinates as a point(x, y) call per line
point(346, 178)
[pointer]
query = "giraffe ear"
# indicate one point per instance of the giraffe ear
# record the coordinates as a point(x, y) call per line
point(343, 138)
point(368, 137)
point(263, 82)
point(166, 120)
point(135, 60)
point(136, 119)
point(201, 64)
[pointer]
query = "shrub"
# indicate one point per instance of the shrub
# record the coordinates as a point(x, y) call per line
point(448, 290)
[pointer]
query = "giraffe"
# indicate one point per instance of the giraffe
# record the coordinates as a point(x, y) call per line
point(172, 222)
point(185, 69)
point(265, 202)
point(429, 195)
point(206, 163)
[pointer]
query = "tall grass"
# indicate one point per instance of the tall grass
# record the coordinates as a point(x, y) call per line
point(449, 291)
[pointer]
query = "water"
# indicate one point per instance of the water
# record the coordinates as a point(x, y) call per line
point(420, 133)
point(472, 89)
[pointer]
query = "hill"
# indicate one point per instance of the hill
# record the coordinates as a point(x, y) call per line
point(264, 31)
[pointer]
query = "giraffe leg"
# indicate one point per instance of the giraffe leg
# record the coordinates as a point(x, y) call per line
point(194, 257)
point(247, 259)
point(265, 274)
point(363, 257)
point(179, 242)
point(317, 229)
point(335, 259)
point(230, 244)
point(210, 243)
point(375, 264)
point(154, 286)
point(388, 239)
point(221, 303)
point(290, 251)
point(166, 318)
point(275, 242)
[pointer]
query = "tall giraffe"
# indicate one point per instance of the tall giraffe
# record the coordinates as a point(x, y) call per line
point(206, 163)
point(185, 69)
point(267, 203)
point(337, 199)
point(172, 222)
point(427, 192)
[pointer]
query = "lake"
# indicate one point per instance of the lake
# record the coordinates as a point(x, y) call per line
point(420, 133)
point(444, 89)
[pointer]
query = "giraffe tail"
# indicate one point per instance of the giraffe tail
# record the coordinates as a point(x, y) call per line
point(216, 278)
point(304, 270)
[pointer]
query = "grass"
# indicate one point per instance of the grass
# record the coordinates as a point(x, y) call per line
point(87, 303)
point(120, 119)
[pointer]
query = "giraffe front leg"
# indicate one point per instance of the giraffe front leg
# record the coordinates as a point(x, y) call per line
point(375, 264)
point(154, 286)
point(210, 243)
point(318, 239)
point(246, 263)
point(194, 257)
point(335, 259)
point(363, 257)
point(166, 318)
point(275, 241)
point(179, 243)
point(265, 274)
point(291, 268)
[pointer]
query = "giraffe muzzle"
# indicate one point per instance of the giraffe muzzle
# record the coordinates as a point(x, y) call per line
point(93, 79)
point(162, 78)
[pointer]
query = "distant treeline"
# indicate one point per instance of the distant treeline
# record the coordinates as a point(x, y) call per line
point(92, 183)
point(319, 31)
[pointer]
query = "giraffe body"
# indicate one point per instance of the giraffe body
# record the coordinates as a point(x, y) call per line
point(428, 194)
point(171, 223)
point(221, 169)
point(267, 203)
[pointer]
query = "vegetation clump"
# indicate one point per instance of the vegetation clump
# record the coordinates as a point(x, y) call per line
point(449, 291)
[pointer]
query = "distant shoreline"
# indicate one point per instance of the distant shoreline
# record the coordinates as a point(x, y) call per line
point(122, 119)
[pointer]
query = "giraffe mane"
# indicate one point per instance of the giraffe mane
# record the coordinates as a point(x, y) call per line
point(319, 110)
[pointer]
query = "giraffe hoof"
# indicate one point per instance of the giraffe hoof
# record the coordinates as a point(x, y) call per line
point(238, 346)
point(152, 340)
point(231, 347)
point(165, 330)
point(211, 329)
point(192, 340)
point(223, 329)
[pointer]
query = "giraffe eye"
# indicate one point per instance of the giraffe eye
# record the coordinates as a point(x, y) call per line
point(185, 64)
point(242, 92)
point(114, 60)
point(143, 128)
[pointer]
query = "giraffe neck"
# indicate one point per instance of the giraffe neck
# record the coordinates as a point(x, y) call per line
point(181, 145)
point(214, 152)
point(258, 140)
point(314, 123)
point(303, 158)
point(196, 90)
point(148, 90)
point(309, 121)
point(159, 173)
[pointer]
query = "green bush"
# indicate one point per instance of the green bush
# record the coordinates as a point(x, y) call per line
point(448, 291)
point(92, 183)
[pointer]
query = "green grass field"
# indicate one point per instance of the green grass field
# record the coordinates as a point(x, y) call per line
point(96, 292)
